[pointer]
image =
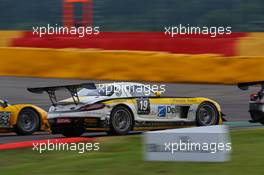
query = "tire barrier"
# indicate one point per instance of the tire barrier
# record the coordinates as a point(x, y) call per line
point(130, 66)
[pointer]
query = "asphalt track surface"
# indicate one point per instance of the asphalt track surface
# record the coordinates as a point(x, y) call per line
point(233, 101)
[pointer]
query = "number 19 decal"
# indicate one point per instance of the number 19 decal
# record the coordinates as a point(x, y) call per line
point(143, 106)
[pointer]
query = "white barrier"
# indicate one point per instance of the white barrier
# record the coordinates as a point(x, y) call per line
point(198, 144)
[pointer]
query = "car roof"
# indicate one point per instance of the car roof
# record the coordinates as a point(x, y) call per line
point(121, 84)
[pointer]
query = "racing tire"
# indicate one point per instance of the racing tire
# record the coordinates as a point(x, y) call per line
point(121, 121)
point(73, 132)
point(28, 122)
point(207, 115)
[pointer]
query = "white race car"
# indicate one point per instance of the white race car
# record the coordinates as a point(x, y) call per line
point(122, 107)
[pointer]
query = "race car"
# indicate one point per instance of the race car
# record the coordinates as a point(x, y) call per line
point(24, 119)
point(256, 102)
point(122, 107)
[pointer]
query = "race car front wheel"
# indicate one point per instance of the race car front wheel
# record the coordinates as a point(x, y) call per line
point(121, 121)
point(28, 122)
point(207, 115)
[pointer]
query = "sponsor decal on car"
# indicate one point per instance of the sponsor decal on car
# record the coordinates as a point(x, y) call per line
point(163, 110)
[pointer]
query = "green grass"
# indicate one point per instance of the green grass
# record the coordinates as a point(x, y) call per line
point(123, 156)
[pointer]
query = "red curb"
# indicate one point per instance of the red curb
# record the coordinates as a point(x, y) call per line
point(28, 144)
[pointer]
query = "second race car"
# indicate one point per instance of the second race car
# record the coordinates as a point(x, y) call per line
point(24, 119)
point(108, 107)
point(256, 102)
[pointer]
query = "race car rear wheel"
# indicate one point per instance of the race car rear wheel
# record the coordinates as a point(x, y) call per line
point(28, 122)
point(121, 121)
point(207, 115)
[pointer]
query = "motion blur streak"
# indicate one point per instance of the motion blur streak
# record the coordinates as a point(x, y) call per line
point(130, 66)
point(7, 36)
point(251, 45)
point(137, 41)
point(236, 44)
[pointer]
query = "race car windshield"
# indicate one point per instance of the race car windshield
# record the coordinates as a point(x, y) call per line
point(140, 91)
point(104, 91)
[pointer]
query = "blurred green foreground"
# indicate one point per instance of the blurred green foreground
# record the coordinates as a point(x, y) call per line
point(123, 155)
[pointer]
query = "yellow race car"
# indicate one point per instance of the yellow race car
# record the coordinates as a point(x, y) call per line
point(24, 119)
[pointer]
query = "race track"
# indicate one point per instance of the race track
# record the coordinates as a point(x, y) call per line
point(233, 101)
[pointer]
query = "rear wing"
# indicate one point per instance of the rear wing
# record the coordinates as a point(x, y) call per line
point(73, 89)
point(245, 86)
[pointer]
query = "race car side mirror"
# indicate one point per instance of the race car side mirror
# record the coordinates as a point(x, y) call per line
point(158, 93)
point(4, 104)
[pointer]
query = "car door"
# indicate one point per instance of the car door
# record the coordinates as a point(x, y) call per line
point(153, 108)
point(165, 108)
point(171, 108)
